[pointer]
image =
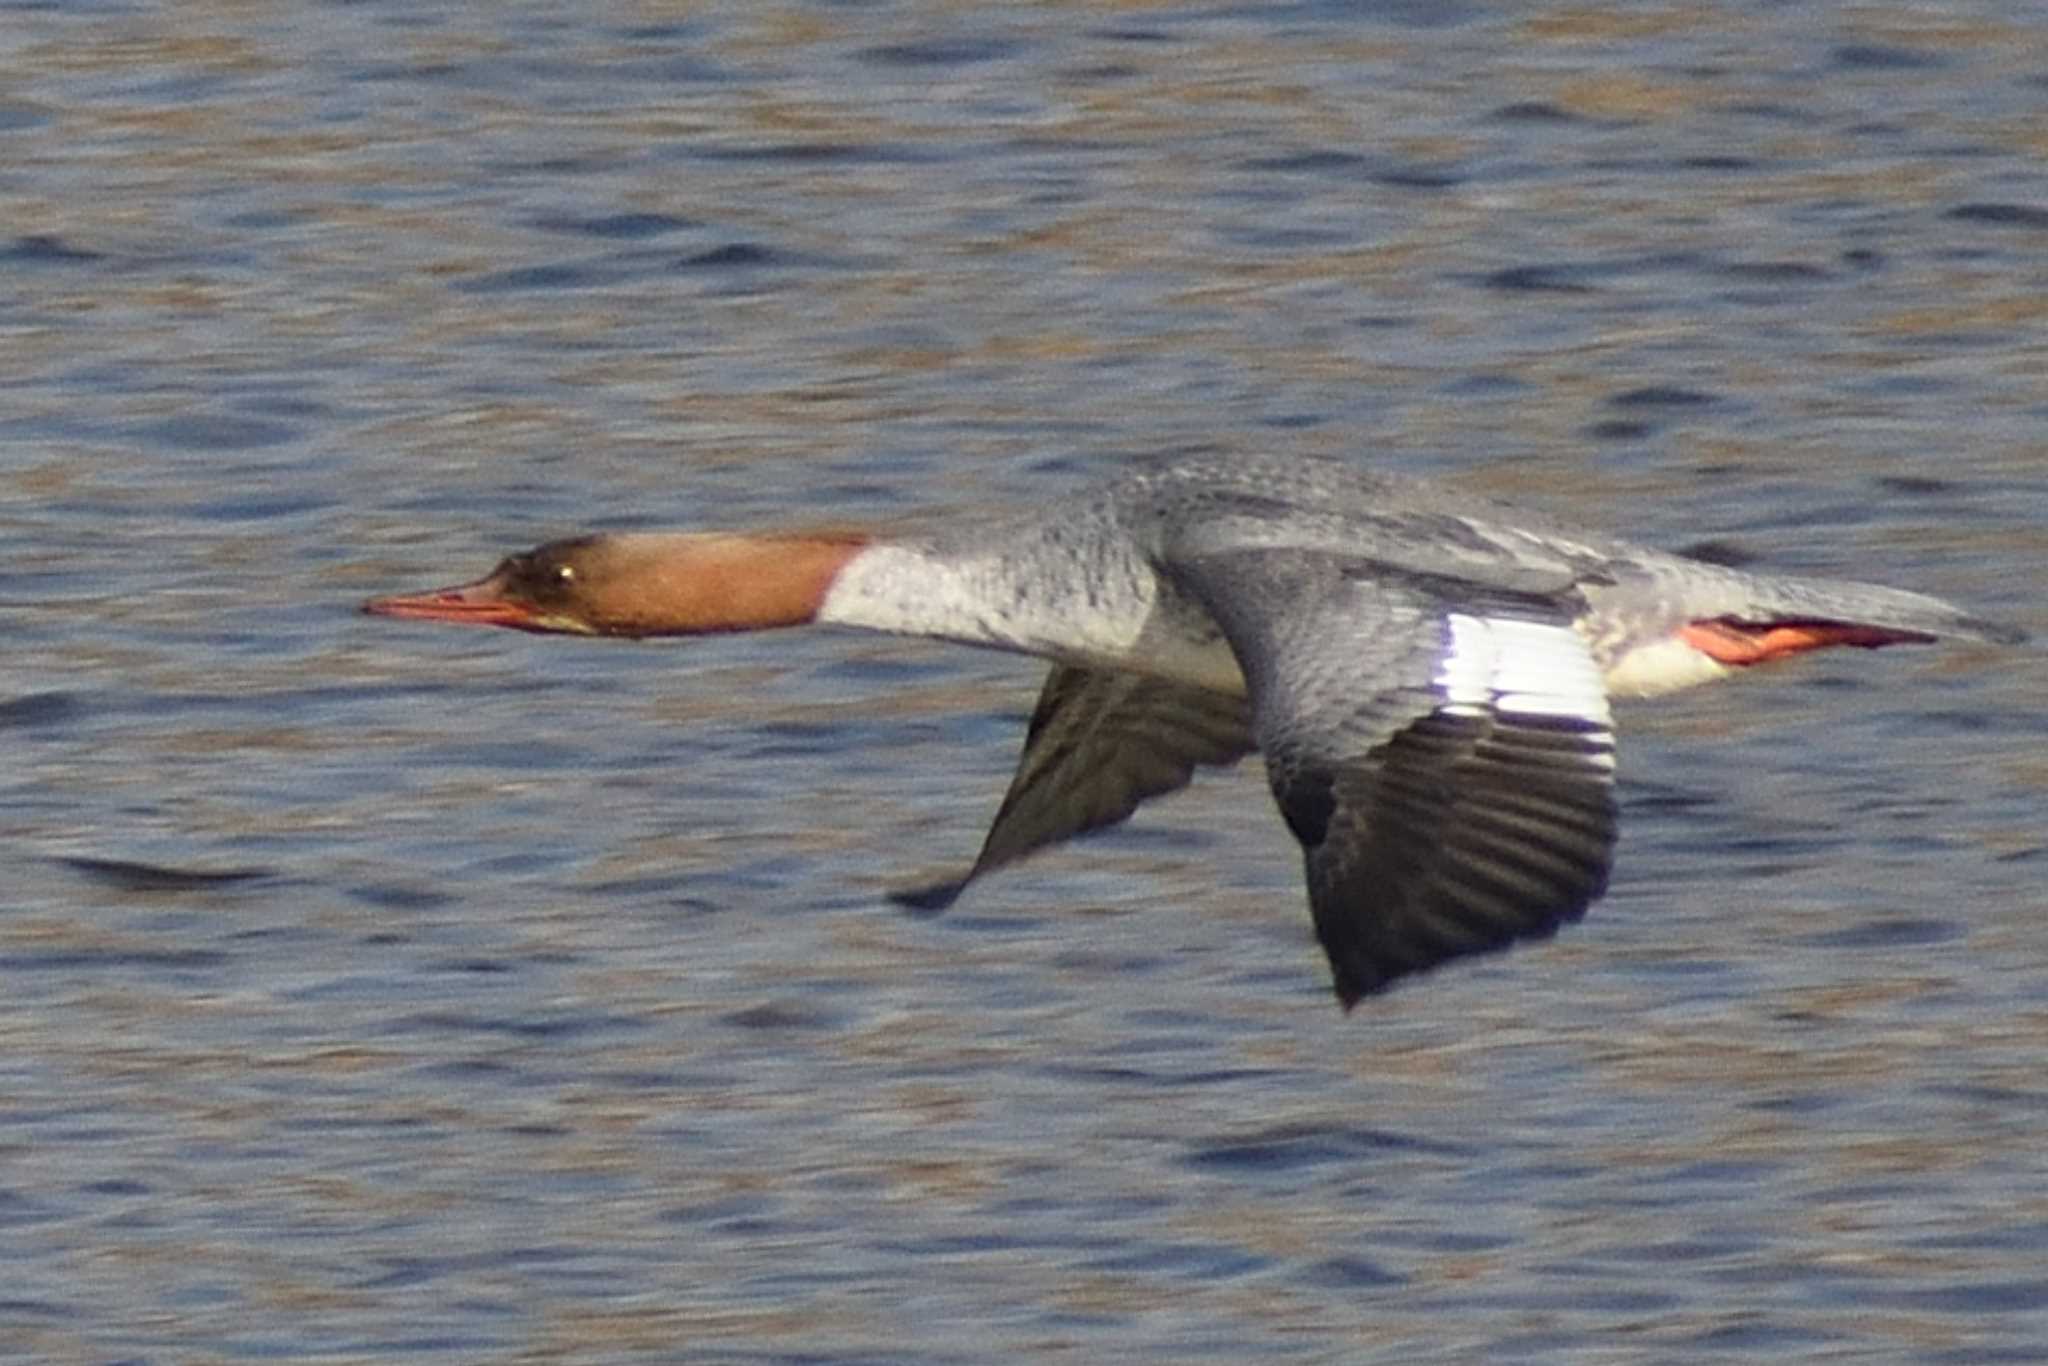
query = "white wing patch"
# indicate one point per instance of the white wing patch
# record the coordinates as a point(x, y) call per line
point(1524, 668)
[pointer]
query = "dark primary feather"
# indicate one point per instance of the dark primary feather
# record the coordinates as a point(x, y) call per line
point(1460, 833)
point(1100, 742)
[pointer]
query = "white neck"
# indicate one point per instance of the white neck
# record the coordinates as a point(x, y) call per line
point(1046, 601)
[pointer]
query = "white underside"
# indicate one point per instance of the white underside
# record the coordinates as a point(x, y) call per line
point(1663, 666)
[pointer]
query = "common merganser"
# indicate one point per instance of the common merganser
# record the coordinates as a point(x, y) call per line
point(1426, 672)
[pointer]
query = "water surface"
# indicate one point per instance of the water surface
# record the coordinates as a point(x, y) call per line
point(369, 991)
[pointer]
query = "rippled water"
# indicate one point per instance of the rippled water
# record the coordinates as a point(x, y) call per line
point(371, 991)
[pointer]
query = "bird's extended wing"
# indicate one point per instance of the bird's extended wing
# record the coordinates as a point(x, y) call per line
point(1442, 751)
point(1099, 743)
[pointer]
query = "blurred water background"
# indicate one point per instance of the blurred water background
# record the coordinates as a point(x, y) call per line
point(376, 992)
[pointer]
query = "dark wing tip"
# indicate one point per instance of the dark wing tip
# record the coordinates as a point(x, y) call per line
point(932, 899)
point(1099, 744)
point(1469, 835)
point(1365, 967)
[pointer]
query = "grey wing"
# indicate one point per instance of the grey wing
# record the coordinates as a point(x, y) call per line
point(1447, 761)
point(1099, 743)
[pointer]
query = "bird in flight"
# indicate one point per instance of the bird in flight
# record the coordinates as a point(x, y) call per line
point(1426, 673)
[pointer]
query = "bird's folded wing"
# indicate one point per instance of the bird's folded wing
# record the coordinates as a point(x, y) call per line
point(1443, 752)
point(1099, 743)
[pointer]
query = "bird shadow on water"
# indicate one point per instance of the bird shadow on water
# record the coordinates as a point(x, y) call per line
point(1301, 1148)
point(127, 875)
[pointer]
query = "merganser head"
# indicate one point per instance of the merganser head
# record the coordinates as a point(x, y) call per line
point(644, 584)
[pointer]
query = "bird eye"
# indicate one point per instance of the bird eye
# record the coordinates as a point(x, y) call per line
point(565, 574)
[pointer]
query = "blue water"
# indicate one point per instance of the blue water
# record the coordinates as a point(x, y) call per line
point(371, 991)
